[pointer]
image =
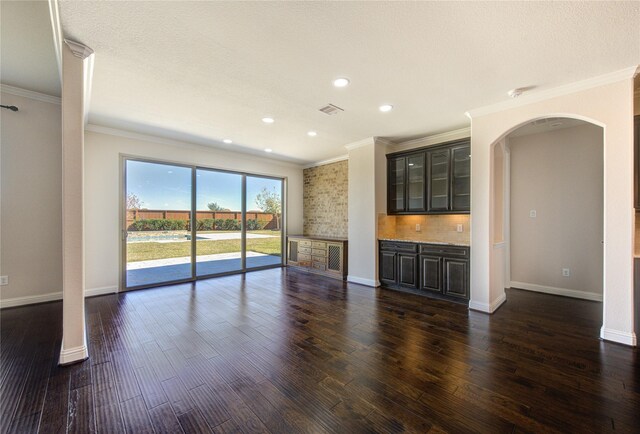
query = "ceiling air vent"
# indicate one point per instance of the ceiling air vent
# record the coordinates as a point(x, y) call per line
point(331, 109)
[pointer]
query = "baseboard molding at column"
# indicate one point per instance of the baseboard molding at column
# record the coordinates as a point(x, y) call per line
point(362, 281)
point(618, 336)
point(73, 355)
point(488, 307)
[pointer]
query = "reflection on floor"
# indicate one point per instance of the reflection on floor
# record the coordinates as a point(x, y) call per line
point(167, 273)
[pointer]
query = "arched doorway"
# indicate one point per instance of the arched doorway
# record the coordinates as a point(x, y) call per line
point(548, 207)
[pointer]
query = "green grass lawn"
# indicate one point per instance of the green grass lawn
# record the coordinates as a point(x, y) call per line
point(152, 250)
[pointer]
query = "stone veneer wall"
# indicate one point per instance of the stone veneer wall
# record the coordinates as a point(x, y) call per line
point(435, 228)
point(326, 200)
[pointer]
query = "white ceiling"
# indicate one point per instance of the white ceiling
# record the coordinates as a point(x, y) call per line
point(205, 71)
point(27, 55)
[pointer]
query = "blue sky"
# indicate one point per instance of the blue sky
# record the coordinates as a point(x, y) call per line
point(162, 186)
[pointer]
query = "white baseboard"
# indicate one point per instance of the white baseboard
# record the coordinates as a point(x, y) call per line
point(72, 355)
point(362, 281)
point(556, 291)
point(53, 296)
point(626, 338)
point(100, 291)
point(30, 299)
point(488, 307)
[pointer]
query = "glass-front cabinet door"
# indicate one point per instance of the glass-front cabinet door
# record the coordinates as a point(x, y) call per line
point(460, 178)
point(438, 180)
point(415, 182)
point(397, 168)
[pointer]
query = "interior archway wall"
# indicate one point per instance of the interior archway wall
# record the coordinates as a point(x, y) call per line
point(609, 106)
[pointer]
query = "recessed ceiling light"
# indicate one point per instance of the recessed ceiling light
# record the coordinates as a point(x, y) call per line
point(268, 120)
point(268, 150)
point(341, 82)
point(385, 108)
point(312, 134)
point(228, 141)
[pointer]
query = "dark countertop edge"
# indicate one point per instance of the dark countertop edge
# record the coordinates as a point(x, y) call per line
point(319, 238)
point(439, 243)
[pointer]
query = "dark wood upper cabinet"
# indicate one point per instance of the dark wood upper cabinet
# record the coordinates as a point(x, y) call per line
point(438, 181)
point(461, 178)
point(415, 182)
point(432, 180)
point(396, 175)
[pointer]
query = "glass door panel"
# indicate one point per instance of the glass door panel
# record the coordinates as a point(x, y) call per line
point(439, 180)
point(396, 184)
point(461, 172)
point(415, 195)
point(264, 221)
point(158, 215)
point(218, 222)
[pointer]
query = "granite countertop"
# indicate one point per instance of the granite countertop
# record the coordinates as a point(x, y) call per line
point(319, 237)
point(424, 242)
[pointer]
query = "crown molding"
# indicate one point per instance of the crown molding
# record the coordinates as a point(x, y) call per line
point(56, 28)
point(383, 141)
point(461, 133)
point(360, 143)
point(325, 162)
point(79, 50)
point(600, 80)
point(17, 91)
point(182, 144)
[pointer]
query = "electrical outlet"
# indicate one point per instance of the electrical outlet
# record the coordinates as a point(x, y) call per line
point(4, 280)
point(566, 272)
point(417, 227)
point(459, 228)
point(533, 214)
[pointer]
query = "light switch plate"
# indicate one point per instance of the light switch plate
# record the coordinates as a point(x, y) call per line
point(459, 228)
point(533, 214)
point(417, 227)
point(4, 280)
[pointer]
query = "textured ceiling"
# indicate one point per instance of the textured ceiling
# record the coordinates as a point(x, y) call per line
point(205, 71)
point(27, 54)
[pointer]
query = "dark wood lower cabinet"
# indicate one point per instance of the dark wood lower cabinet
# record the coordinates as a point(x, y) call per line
point(408, 270)
point(456, 278)
point(431, 276)
point(433, 269)
point(388, 267)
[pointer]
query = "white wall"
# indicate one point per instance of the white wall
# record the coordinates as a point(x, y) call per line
point(103, 186)
point(31, 209)
point(364, 161)
point(558, 174)
point(607, 102)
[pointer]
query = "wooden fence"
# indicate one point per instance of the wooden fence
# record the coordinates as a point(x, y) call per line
point(268, 221)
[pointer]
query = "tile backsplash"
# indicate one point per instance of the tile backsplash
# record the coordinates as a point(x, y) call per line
point(437, 228)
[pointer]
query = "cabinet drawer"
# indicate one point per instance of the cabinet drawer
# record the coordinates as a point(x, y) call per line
point(399, 247)
point(319, 252)
point(434, 249)
point(319, 266)
point(304, 243)
point(319, 245)
point(319, 259)
point(302, 257)
point(306, 250)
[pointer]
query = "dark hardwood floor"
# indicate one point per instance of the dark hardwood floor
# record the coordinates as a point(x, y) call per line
point(283, 351)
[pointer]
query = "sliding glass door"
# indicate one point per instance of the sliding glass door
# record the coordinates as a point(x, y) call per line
point(237, 222)
point(264, 221)
point(218, 222)
point(158, 212)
